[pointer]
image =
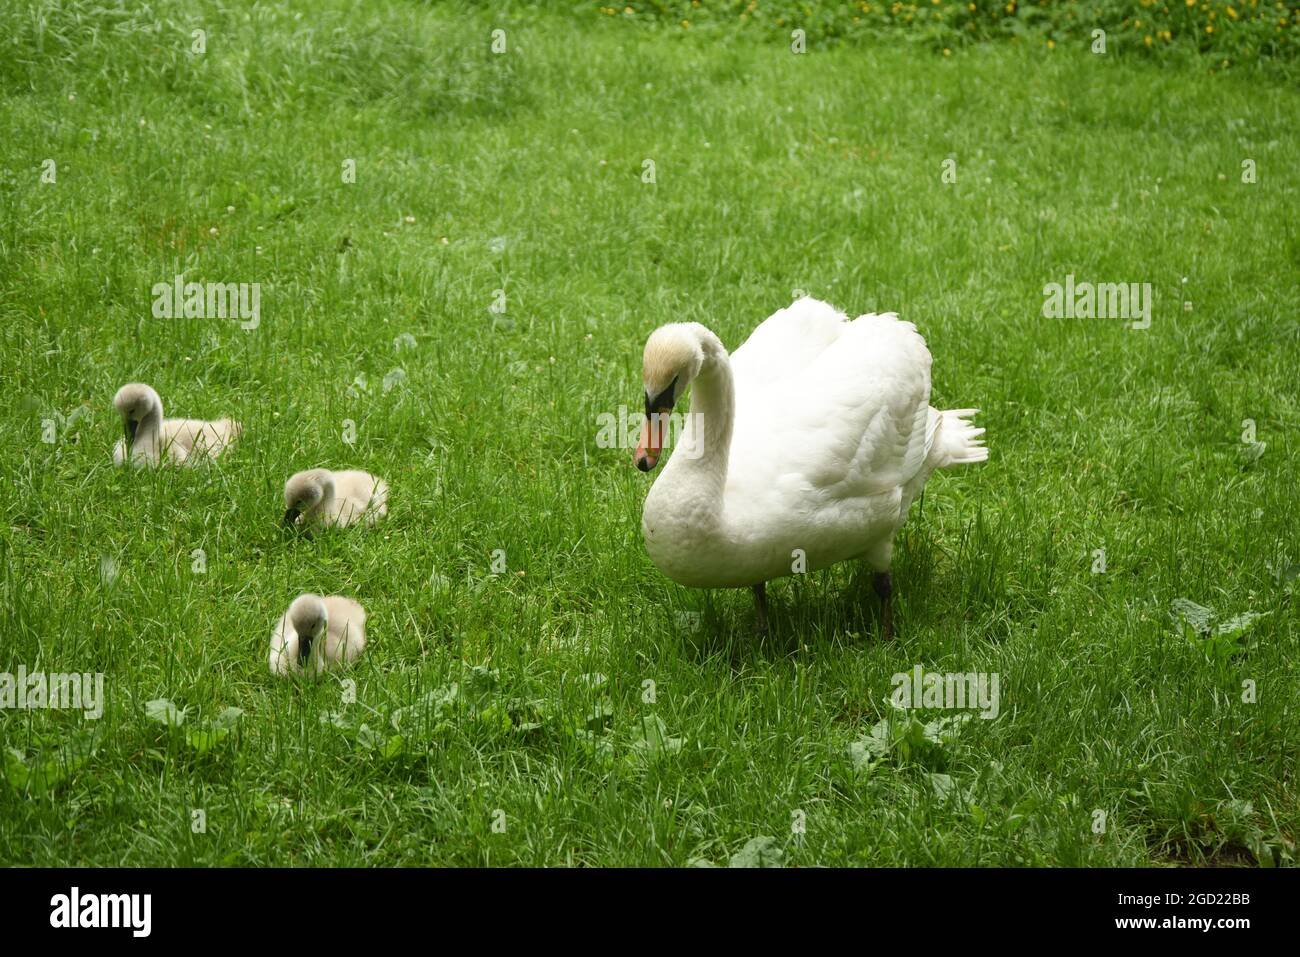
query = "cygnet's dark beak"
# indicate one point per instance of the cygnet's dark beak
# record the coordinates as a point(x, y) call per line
point(304, 650)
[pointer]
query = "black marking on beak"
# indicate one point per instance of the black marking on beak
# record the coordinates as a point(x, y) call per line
point(304, 650)
point(131, 425)
point(657, 419)
point(664, 401)
point(290, 517)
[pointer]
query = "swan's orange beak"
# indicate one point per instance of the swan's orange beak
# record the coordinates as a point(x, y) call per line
point(652, 439)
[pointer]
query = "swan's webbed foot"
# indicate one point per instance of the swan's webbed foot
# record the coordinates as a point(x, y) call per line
point(760, 607)
point(884, 587)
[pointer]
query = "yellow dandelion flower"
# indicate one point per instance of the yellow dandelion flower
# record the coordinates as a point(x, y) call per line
point(1147, 39)
point(1051, 44)
point(1209, 29)
point(947, 52)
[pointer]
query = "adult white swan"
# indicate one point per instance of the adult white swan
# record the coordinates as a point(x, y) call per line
point(804, 448)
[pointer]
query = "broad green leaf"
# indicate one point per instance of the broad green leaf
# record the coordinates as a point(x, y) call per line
point(652, 739)
point(863, 756)
point(46, 770)
point(479, 680)
point(758, 852)
point(368, 738)
point(944, 731)
point(495, 717)
point(203, 740)
point(598, 746)
point(15, 768)
point(164, 712)
point(1238, 624)
point(228, 718)
point(1186, 610)
point(337, 719)
point(943, 785)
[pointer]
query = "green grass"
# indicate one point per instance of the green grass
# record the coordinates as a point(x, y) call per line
point(1228, 32)
point(775, 172)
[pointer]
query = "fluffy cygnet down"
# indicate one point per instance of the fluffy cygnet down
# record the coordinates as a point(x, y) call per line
point(322, 497)
point(318, 634)
point(150, 439)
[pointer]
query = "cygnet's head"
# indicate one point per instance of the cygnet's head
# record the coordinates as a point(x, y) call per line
point(304, 491)
point(673, 358)
point(310, 619)
point(135, 402)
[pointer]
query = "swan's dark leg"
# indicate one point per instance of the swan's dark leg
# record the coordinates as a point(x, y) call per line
point(884, 587)
point(760, 606)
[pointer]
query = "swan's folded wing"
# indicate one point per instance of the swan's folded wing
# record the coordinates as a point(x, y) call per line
point(343, 609)
point(853, 423)
point(784, 345)
point(200, 437)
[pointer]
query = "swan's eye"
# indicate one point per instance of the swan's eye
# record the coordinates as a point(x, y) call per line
point(664, 401)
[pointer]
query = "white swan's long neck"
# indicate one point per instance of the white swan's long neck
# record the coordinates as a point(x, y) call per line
point(700, 460)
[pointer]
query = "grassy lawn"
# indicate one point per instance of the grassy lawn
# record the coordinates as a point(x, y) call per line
point(579, 708)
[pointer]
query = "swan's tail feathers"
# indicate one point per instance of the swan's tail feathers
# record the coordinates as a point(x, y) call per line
point(956, 439)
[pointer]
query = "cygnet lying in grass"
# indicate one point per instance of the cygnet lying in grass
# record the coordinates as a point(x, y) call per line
point(318, 634)
point(319, 496)
point(150, 439)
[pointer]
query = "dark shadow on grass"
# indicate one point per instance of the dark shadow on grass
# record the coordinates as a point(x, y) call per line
point(807, 614)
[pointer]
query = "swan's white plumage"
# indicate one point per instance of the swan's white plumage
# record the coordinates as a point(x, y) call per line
point(336, 626)
point(173, 441)
point(831, 439)
point(338, 498)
